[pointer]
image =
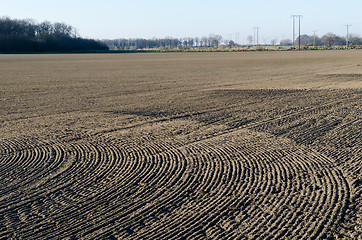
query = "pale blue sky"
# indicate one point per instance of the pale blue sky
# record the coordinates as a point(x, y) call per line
point(186, 18)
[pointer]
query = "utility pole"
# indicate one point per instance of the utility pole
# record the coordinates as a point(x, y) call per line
point(257, 35)
point(347, 36)
point(254, 36)
point(293, 16)
point(314, 39)
point(296, 16)
point(299, 30)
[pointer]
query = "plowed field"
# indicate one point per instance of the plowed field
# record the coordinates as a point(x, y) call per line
point(263, 145)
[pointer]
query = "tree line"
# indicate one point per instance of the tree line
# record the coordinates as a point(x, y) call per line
point(329, 39)
point(29, 36)
point(212, 40)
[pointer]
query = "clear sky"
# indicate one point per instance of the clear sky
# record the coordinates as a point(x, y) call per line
point(110, 19)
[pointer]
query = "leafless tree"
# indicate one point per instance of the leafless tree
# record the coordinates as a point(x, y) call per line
point(355, 39)
point(329, 38)
point(204, 41)
point(214, 40)
point(250, 39)
point(274, 41)
point(285, 42)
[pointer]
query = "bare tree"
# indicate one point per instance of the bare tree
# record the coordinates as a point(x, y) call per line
point(355, 39)
point(250, 39)
point(230, 43)
point(45, 28)
point(285, 42)
point(62, 29)
point(190, 42)
point(215, 40)
point(204, 42)
point(274, 41)
point(329, 38)
point(197, 42)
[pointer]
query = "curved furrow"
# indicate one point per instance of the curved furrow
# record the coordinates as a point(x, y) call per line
point(235, 205)
point(333, 206)
point(163, 199)
point(86, 180)
point(302, 203)
point(295, 233)
point(226, 209)
point(299, 203)
point(220, 205)
point(282, 201)
point(35, 193)
point(186, 185)
point(41, 171)
point(238, 184)
point(222, 233)
point(270, 194)
point(72, 170)
point(142, 204)
point(306, 212)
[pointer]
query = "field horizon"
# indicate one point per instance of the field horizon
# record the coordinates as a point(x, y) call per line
point(240, 145)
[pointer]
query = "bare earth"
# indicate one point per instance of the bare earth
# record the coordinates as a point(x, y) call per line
point(262, 145)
